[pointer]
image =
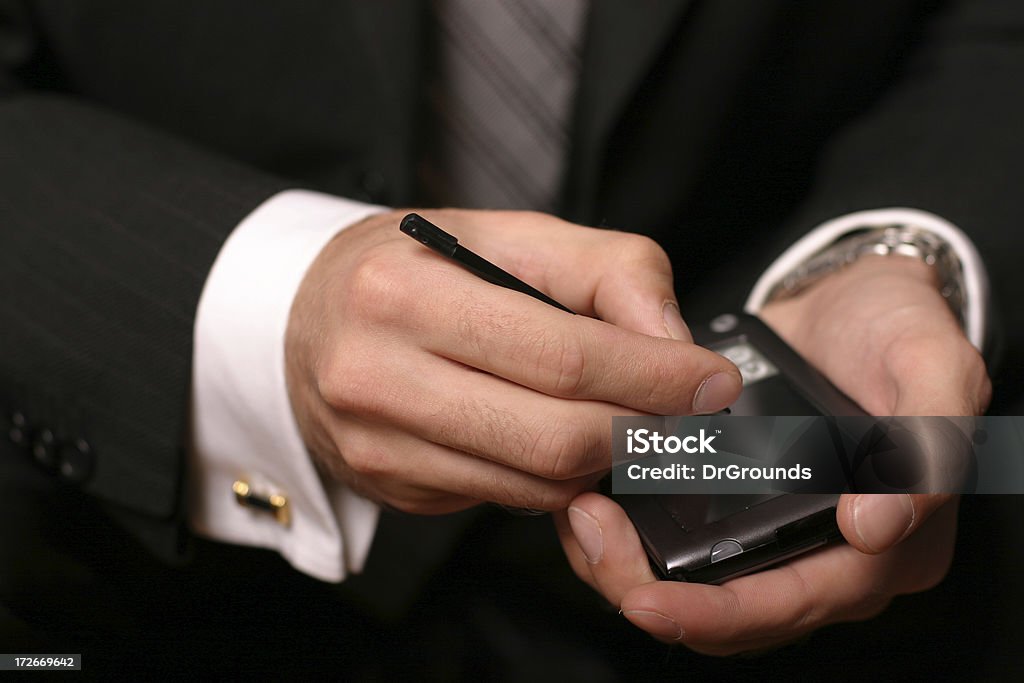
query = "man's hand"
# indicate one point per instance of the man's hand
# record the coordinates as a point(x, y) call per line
point(883, 334)
point(428, 389)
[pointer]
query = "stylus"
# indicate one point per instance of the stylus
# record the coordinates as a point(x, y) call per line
point(425, 232)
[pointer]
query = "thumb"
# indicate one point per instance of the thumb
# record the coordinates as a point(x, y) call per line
point(874, 522)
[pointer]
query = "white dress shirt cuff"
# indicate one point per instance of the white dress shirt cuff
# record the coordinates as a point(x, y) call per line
point(242, 423)
point(975, 276)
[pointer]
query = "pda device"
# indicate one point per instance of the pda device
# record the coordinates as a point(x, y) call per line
point(714, 538)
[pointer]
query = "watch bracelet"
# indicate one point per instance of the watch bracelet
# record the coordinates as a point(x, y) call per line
point(896, 239)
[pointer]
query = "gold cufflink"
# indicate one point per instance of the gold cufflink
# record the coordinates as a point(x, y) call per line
point(274, 503)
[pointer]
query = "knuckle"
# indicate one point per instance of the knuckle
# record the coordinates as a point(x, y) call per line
point(558, 452)
point(367, 460)
point(332, 382)
point(375, 290)
point(504, 491)
point(642, 249)
point(806, 610)
point(560, 364)
point(554, 361)
point(348, 388)
point(353, 382)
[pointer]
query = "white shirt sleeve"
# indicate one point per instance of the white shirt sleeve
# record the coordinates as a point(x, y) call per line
point(976, 318)
point(242, 423)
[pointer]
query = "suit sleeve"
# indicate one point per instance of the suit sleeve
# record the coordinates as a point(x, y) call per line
point(947, 138)
point(107, 232)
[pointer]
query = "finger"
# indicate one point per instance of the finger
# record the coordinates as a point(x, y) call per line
point(477, 413)
point(537, 346)
point(874, 522)
point(573, 552)
point(610, 545)
point(403, 469)
point(762, 609)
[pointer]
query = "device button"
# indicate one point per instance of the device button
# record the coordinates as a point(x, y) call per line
point(724, 323)
point(725, 549)
point(44, 448)
point(76, 461)
point(739, 353)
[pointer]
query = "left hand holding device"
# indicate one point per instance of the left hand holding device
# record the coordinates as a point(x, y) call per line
point(883, 334)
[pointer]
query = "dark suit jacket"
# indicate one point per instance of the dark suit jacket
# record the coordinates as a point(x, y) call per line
point(135, 136)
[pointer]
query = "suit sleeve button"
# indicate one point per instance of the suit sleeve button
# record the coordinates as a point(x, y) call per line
point(17, 428)
point(76, 461)
point(44, 448)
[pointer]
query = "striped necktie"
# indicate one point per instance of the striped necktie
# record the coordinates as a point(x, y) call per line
point(502, 90)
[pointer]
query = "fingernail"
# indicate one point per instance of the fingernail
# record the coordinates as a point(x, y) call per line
point(588, 534)
point(881, 519)
point(674, 325)
point(655, 623)
point(717, 392)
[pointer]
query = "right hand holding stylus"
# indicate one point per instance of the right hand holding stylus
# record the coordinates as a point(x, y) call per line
point(427, 389)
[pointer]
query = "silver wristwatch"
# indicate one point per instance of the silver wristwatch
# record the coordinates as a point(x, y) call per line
point(898, 239)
